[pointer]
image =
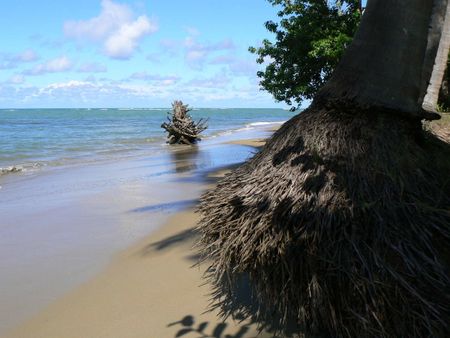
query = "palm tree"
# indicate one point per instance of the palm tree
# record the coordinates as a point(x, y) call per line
point(442, 44)
point(340, 225)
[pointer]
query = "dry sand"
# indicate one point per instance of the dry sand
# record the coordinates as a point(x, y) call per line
point(150, 290)
point(257, 143)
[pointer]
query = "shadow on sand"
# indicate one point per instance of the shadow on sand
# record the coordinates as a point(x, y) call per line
point(187, 325)
point(167, 243)
point(167, 207)
point(188, 160)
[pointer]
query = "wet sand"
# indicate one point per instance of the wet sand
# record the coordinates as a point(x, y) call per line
point(148, 290)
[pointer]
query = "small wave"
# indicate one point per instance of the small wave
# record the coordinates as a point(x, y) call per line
point(247, 127)
point(139, 109)
point(264, 123)
point(29, 167)
point(224, 132)
point(254, 125)
point(11, 169)
point(137, 141)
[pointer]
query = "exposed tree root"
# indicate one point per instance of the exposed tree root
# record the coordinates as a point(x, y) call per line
point(180, 126)
point(340, 226)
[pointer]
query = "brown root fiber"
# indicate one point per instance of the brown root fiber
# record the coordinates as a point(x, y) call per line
point(339, 227)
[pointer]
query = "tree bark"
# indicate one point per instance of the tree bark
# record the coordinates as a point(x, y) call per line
point(444, 94)
point(383, 67)
point(440, 62)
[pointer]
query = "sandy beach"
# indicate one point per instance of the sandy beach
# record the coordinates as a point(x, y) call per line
point(150, 289)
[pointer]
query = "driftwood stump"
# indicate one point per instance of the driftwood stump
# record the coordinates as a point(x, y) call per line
point(180, 126)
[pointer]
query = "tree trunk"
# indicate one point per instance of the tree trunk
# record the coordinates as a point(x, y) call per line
point(440, 64)
point(340, 225)
point(384, 66)
point(444, 94)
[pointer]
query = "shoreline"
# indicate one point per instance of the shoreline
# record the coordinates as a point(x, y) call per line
point(20, 172)
point(59, 318)
point(94, 141)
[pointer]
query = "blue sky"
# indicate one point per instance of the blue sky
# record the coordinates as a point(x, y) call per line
point(120, 53)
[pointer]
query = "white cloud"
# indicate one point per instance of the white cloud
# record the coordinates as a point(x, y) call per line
point(123, 43)
point(107, 93)
point(16, 79)
point(92, 93)
point(111, 17)
point(219, 80)
point(116, 28)
point(164, 80)
point(92, 67)
point(57, 65)
point(66, 85)
point(28, 55)
point(237, 66)
point(223, 60)
point(196, 53)
point(10, 61)
point(193, 56)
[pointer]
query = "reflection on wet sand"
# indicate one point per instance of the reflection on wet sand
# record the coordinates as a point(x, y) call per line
point(188, 158)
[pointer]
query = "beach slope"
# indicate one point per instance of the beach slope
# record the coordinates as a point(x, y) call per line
point(150, 290)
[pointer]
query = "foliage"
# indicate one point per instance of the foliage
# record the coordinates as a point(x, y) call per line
point(310, 39)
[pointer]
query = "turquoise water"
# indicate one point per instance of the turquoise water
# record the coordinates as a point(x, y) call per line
point(34, 138)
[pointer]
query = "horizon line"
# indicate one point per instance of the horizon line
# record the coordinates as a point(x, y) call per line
point(18, 108)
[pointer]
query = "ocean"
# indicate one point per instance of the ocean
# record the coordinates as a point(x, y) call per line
point(34, 139)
